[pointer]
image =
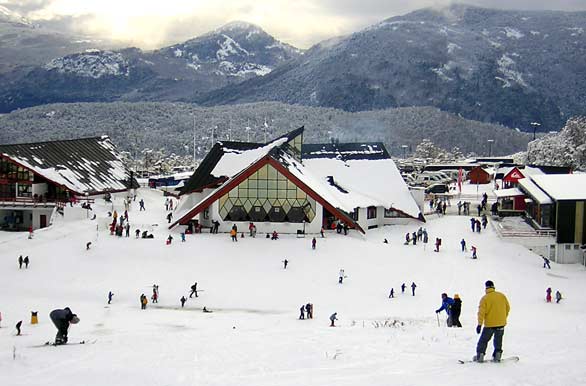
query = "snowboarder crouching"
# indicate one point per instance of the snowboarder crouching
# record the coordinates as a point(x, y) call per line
point(62, 318)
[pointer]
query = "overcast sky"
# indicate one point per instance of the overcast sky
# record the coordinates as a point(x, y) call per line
point(153, 23)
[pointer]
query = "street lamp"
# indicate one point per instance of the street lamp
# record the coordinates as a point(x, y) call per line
point(535, 126)
point(490, 141)
point(404, 150)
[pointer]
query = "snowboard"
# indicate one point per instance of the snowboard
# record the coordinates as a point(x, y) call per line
point(503, 360)
point(49, 343)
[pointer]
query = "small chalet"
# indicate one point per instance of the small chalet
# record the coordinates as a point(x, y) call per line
point(510, 201)
point(291, 187)
point(36, 179)
point(478, 175)
point(558, 202)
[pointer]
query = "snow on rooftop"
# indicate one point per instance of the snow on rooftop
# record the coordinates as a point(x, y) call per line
point(233, 161)
point(534, 191)
point(562, 186)
point(508, 193)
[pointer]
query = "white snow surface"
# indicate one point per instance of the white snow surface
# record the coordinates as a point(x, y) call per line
point(254, 337)
point(562, 186)
point(91, 64)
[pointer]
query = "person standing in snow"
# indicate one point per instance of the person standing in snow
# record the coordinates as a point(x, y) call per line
point(558, 296)
point(88, 245)
point(484, 221)
point(456, 310)
point(403, 286)
point(414, 238)
point(546, 263)
point(493, 311)
point(18, 325)
point(478, 226)
point(234, 234)
point(285, 262)
point(141, 204)
point(425, 239)
point(438, 242)
point(143, 302)
point(341, 276)
point(62, 319)
point(183, 300)
point(110, 296)
point(463, 244)
point(302, 312)
point(413, 286)
point(447, 303)
point(127, 229)
point(419, 234)
point(308, 311)
point(169, 240)
point(20, 261)
point(473, 224)
point(169, 217)
point(407, 238)
point(392, 293)
point(473, 248)
point(548, 295)
point(313, 243)
point(26, 261)
point(333, 318)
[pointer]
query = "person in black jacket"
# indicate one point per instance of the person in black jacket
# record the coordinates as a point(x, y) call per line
point(456, 310)
point(62, 319)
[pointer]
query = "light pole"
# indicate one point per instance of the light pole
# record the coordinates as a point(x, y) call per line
point(535, 126)
point(404, 151)
point(490, 141)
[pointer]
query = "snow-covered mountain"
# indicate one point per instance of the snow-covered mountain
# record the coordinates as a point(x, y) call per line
point(231, 54)
point(9, 16)
point(508, 67)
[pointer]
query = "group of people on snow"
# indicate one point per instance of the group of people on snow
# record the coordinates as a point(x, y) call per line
point(403, 287)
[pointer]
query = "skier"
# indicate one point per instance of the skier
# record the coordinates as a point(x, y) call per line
point(62, 318)
point(183, 300)
point(413, 286)
point(463, 244)
point(473, 248)
point(20, 261)
point(313, 242)
point(392, 293)
point(403, 286)
point(546, 263)
point(169, 217)
point(438, 242)
point(141, 204)
point(333, 318)
point(110, 295)
point(18, 328)
point(473, 224)
point(26, 261)
point(492, 312)
point(548, 295)
point(302, 312)
point(341, 276)
point(88, 245)
point(143, 302)
point(447, 303)
point(456, 309)
point(193, 290)
point(285, 262)
point(558, 296)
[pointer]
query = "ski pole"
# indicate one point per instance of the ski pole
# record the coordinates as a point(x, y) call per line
point(438, 323)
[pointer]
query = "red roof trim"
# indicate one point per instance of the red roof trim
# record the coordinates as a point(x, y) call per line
point(247, 173)
point(508, 177)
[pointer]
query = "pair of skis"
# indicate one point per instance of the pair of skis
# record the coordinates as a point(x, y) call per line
point(49, 343)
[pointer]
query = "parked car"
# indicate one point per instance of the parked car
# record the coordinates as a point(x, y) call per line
point(437, 188)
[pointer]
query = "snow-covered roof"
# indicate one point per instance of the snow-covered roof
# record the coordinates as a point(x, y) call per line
point(234, 161)
point(532, 171)
point(508, 193)
point(88, 165)
point(534, 191)
point(562, 186)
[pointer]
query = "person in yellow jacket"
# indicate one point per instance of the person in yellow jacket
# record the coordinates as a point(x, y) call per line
point(493, 311)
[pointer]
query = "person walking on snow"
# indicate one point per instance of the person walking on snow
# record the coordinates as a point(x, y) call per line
point(392, 293)
point(62, 319)
point(20, 261)
point(463, 244)
point(193, 290)
point(438, 243)
point(548, 295)
point(143, 302)
point(341, 276)
point(183, 300)
point(302, 312)
point(456, 310)
point(493, 311)
point(403, 286)
point(473, 224)
point(333, 318)
point(414, 238)
point(141, 204)
point(473, 248)
point(313, 242)
point(155, 297)
point(26, 261)
point(18, 325)
point(447, 303)
point(169, 217)
point(558, 296)
point(546, 263)
point(413, 286)
point(110, 296)
point(285, 262)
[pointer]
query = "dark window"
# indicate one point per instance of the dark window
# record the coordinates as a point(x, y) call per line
point(258, 213)
point(371, 212)
point(237, 213)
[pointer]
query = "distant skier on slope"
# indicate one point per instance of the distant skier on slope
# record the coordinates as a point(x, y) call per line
point(62, 318)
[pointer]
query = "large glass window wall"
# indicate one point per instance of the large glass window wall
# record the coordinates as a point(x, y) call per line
point(267, 195)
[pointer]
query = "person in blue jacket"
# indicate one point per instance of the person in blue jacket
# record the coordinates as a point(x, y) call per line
point(447, 303)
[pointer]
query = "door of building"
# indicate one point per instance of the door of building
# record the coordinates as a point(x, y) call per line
point(43, 221)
